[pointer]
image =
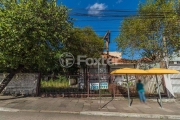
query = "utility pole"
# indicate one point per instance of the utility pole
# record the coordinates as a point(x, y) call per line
point(107, 41)
point(165, 54)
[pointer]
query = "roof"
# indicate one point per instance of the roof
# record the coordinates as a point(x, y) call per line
point(145, 59)
point(126, 61)
point(114, 54)
point(110, 56)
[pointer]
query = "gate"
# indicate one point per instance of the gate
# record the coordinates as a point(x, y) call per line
point(90, 83)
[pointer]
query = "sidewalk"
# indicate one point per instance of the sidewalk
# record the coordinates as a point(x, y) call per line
point(89, 106)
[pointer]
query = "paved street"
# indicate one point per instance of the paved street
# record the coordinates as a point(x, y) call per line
point(89, 106)
point(56, 116)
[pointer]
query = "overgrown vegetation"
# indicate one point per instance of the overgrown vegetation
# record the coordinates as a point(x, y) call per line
point(60, 82)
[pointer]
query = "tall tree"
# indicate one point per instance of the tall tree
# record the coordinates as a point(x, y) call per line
point(154, 30)
point(31, 33)
point(84, 41)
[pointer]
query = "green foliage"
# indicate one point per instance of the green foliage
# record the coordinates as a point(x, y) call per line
point(85, 42)
point(130, 84)
point(103, 91)
point(154, 30)
point(35, 33)
point(31, 33)
point(61, 82)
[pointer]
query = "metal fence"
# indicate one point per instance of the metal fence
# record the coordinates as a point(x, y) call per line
point(87, 85)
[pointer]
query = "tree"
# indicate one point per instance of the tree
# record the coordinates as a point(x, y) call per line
point(31, 33)
point(84, 41)
point(154, 30)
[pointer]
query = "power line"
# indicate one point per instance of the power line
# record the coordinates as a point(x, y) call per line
point(145, 16)
point(99, 20)
point(120, 13)
point(114, 15)
point(122, 10)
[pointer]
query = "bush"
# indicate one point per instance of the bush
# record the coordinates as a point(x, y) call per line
point(60, 82)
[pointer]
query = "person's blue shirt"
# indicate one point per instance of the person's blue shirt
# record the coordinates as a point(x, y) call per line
point(139, 87)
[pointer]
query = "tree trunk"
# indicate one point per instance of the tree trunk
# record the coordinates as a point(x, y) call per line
point(9, 77)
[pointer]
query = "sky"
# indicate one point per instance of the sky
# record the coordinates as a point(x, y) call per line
point(102, 15)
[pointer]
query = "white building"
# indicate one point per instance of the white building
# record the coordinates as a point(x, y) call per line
point(174, 63)
point(115, 54)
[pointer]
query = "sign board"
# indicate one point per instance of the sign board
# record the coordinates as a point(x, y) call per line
point(95, 86)
point(103, 85)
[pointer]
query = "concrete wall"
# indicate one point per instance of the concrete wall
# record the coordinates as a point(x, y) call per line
point(149, 81)
point(175, 80)
point(22, 83)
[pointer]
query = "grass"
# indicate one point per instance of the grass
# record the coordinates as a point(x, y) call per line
point(60, 82)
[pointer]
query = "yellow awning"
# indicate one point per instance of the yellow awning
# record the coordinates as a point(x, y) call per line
point(161, 71)
point(129, 71)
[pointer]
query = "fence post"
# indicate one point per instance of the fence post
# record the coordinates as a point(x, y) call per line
point(38, 85)
point(114, 89)
point(88, 83)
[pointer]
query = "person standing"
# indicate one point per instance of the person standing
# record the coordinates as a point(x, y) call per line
point(140, 89)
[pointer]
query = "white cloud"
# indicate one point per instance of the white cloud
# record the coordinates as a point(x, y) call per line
point(96, 8)
point(119, 1)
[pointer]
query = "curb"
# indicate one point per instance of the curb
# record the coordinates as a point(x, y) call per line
point(8, 109)
point(35, 111)
point(98, 113)
point(50, 111)
point(134, 115)
point(2, 109)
